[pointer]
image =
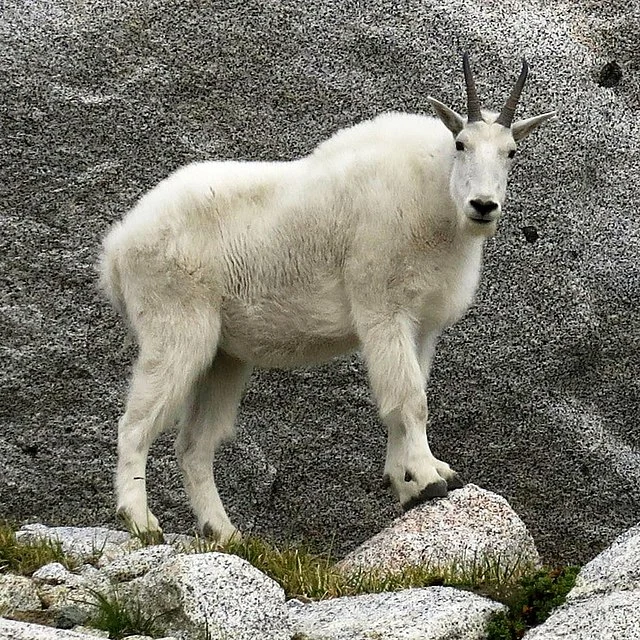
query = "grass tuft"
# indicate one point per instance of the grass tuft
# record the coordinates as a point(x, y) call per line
point(122, 618)
point(310, 576)
point(24, 558)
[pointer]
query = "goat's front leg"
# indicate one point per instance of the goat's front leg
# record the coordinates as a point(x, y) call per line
point(426, 350)
point(389, 350)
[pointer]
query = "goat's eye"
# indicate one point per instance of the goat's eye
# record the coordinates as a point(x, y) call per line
point(459, 145)
point(512, 153)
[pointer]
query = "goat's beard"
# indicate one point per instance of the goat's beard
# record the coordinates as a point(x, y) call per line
point(480, 229)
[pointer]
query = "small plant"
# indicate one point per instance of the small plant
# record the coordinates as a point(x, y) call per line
point(26, 557)
point(122, 618)
point(309, 576)
point(146, 538)
point(532, 602)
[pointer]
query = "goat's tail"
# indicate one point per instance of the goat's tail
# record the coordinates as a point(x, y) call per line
point(110, 283)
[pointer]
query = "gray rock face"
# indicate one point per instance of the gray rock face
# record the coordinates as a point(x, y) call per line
point(435, 613)
point(215, 593)
point(533, 395)
point(12, 630)
point(17, 593)
point(615, 569)
point(613, 616)
point(471, 527)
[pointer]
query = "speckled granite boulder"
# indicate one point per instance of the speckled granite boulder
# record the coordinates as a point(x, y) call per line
point(137, 563)
point(612, 616)
point(12, 630)
point(68, 596)
point(435, 613)
point(468, 527)
point(604, 604)
point(615, 569)
point(83, 544)
point(17, 593)
point(212, 591)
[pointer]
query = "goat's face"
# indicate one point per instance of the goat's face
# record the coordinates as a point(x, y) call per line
point(483, 149)
point(483, 155)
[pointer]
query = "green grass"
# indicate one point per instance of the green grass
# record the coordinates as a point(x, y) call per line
point(310, 576)
point(24, 558)
point(122, 618)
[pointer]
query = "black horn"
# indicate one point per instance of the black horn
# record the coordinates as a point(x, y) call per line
point(473, 104)
point(506, 115)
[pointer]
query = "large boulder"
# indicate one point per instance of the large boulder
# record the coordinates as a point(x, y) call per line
point(533, 395)
point(434, 613)
point(612, 616)
point(212, 594)
point(615, 569)
point(472, 530)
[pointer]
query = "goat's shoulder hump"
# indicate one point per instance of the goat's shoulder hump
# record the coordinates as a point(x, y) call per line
point(388, 130)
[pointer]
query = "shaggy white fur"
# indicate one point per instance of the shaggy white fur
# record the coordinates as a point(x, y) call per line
point(372, 242)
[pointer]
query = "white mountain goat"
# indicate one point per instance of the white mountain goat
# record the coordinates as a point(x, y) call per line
point(372, 242)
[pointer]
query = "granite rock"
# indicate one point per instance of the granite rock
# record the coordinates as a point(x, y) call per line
point(615, 569)
point(533, 395)
point(470, 528)
point(12, 630)
point(17, 593)
point(211, 593)
point(435, 613)
point(611, 616)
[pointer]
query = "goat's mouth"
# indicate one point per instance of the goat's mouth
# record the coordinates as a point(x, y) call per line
point(482, 220)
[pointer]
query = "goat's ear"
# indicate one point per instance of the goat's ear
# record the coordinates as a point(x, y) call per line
point(523, 128)
point(450, 119)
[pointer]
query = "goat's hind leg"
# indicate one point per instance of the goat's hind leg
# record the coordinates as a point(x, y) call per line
point(209, 420)
point(164, 377)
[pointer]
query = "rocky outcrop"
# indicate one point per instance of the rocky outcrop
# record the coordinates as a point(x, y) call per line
point(192, 595)
point(213, 593)
point(605, 601)
point(473, 526)
point(533, 395)
point(434, 613)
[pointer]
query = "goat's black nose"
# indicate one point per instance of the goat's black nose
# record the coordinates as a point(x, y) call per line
point(484, 207)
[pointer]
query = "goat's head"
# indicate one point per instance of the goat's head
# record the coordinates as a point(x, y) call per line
point(484, 149)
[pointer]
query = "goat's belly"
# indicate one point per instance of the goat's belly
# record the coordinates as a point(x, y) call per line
point(285, 336)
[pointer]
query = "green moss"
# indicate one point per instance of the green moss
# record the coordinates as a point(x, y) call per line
point(536, 595)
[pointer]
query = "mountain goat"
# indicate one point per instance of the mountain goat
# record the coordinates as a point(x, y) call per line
point(373, 242)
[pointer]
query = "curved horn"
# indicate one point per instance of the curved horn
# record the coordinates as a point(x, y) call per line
point(473, 103)
point(506, 115)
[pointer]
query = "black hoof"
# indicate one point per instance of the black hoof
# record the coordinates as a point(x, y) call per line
point(209, 532)
point(431, 491)
point(148, 538)
point(455, 482)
